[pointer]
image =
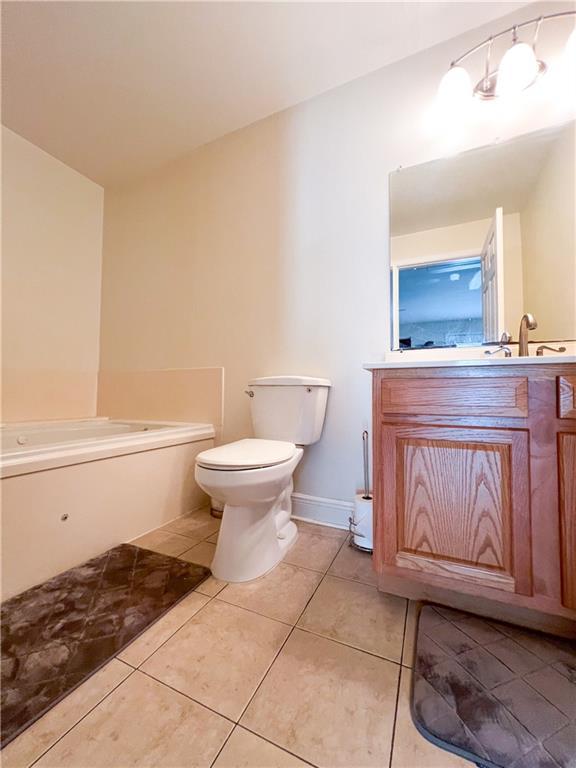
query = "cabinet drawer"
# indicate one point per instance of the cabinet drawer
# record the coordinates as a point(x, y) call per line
point(567, 397)
point(479, 396)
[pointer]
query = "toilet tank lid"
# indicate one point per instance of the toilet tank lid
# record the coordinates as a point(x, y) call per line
point(289, 381)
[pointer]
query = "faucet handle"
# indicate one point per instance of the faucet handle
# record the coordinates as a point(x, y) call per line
point(501, 348)
point(542, 347)
point(506, 338)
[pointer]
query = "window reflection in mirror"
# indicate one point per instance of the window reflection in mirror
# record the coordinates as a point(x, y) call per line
point(439, 304)
point(503, 214)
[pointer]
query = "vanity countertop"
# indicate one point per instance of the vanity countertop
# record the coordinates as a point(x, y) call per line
point(502, 361)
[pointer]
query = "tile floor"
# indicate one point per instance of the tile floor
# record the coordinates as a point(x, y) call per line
point(309, 665)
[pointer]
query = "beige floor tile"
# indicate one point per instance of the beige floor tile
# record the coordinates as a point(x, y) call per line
point(142, 723)
point(211, 586)
point(246, 750)
point(165, 542)
point(202, 554)
point(410, 749)
point(150, 640)
point(410, 634)
point(313, 550)
point(281, 594)
point(359, 615)
point(197, 525)
point(355, 565)
point(219, 657)
point(213, 539)
point(327, 703)
point(324, 530)
point(46, 731)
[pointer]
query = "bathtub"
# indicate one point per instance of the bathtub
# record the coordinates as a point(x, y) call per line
point(72, 489)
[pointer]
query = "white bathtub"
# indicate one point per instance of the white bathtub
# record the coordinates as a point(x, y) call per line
point(72, 489)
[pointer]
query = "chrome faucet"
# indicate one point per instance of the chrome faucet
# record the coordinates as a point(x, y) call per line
point(528, 323)
point(542, 347)
point(501, 348)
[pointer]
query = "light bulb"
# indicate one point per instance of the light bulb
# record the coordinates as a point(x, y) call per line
point(569, 55)
point(518, 69)
point(455, 88)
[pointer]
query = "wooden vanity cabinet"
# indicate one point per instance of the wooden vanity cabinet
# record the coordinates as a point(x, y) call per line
point(475, 487)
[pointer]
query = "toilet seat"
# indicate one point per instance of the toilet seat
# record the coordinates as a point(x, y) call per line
point(247, 454)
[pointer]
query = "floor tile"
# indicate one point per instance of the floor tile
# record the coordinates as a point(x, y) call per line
point(410, 749)
point(198, 525)
point(150, 640)
point(142, 723)
point(410, 633)
point(324, 530)
point(46, 731)
point(313, 550)
point(282, 594)
point(165, 542)
point(327, 703)
point(246, 750)
point(355, 565)
point(219, 657)
point(211, 586)
point(213, 538)
point(202, 554)
point(358, 615)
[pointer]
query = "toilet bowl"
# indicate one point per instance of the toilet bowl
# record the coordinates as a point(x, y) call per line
point(255, 485)
point(253, 477)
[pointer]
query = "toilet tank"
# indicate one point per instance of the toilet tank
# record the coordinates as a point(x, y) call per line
point(290, 408)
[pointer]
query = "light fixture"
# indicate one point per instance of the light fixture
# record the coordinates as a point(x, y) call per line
point(455, 88)
point(519, 68)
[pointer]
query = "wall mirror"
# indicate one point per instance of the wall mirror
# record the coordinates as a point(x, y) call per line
point(478, 239)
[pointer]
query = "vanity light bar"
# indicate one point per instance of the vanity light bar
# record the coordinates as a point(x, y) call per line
point(518, 70)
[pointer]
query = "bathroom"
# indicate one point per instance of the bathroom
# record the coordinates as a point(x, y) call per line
point(207, 213)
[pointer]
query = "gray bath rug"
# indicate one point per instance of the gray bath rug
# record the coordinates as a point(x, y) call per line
point(57, 634)
point(498, 695)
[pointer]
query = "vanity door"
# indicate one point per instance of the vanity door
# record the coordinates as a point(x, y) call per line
point(456, 505)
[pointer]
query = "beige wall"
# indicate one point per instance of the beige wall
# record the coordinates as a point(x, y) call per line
point(51, 279)
point(467, 239)
point(549, 243)
point(266, 251)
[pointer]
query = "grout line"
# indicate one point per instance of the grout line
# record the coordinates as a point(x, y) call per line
point(393, 735)
point(76, 724)
point(186, 695)
point(259, 735)
point(226, 740)
point(348, 645)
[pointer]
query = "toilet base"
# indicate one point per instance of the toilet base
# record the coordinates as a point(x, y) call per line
point(253, 540)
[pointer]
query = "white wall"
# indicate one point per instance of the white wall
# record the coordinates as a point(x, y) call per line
point(549, 243)
point(267, 251)
point(51, 280)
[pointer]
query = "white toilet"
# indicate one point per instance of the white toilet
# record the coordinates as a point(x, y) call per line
point(254, 477)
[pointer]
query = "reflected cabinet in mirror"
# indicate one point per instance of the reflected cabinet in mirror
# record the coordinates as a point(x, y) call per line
point(479, 239)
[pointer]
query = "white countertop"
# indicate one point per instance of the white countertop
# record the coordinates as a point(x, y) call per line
point(482, 361)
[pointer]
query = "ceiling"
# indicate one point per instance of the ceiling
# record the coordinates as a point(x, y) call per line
point(469, 186)
point(115, 89)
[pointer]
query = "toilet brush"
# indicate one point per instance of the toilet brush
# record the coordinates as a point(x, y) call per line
point(361, 520)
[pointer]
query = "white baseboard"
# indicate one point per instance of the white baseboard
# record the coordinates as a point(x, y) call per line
point(316, 509)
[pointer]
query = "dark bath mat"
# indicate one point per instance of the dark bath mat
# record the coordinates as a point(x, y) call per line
point(57, 634)
point(498, 695)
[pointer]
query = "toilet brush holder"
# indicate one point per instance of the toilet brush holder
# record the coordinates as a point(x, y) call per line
point(361, 523)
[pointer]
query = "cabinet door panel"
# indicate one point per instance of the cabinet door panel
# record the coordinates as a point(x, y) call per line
point(567, 397)
point(457, 504)
point(567, 476)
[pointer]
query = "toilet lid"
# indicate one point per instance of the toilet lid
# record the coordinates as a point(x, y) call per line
point(247, 454)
